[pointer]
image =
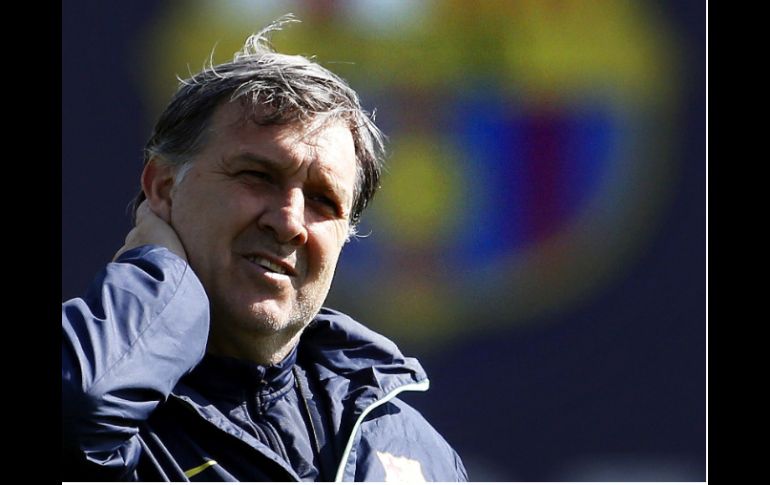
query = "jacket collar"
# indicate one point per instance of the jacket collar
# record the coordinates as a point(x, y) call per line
point(355, 364)
point(341, 348)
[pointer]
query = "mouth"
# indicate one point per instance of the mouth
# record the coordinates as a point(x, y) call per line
point(271, 266)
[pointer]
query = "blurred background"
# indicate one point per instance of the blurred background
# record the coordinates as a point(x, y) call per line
point(540, 238)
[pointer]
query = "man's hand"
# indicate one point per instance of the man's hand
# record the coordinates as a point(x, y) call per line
point(151, 229)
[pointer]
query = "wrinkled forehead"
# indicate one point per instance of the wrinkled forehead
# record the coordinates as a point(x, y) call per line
point(262, 112)
point(307, 129)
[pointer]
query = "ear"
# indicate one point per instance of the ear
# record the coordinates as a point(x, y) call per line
point(157, 184)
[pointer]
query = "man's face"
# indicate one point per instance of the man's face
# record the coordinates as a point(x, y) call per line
point(263, 214)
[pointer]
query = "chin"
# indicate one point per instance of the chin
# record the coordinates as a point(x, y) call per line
point(260, 318)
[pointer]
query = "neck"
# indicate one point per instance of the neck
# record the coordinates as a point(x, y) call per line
point(263, 349)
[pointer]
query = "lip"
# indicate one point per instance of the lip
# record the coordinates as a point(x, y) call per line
point(285, 265)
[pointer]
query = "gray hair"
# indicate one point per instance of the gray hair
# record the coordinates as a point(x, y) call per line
point(280, 89)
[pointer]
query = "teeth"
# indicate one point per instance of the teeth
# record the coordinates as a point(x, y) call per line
point(275, 268)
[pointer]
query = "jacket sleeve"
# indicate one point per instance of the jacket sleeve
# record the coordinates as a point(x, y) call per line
point(141, 326)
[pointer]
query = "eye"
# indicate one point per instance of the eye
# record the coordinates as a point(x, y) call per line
point(326, 202)
point(254, 174)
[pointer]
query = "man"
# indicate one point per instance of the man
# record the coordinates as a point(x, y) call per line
point(202, 352)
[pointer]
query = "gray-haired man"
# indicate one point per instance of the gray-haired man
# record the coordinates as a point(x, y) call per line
point(202, 352)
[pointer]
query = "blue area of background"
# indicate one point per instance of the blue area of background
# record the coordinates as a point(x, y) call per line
point(619, 380)
point(495, 147)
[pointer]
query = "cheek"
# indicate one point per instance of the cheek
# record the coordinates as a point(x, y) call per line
point(204, 205)
point(183, 217)
point(327, 243)
point(196, 219)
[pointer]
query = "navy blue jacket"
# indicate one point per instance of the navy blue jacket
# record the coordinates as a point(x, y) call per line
point(136, 403)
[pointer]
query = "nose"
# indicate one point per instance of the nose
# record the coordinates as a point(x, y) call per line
point(285, 217)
